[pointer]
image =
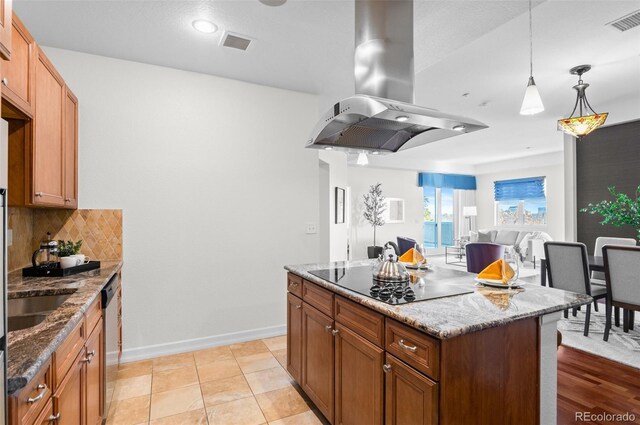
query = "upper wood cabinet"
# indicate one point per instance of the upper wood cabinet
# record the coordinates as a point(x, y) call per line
point(5, 28)
point(70, 150)
point(18, 73)
point(48, 134)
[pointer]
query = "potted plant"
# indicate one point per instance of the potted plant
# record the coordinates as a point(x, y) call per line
point(373, 209)
point(624, 210)
point(68, 252)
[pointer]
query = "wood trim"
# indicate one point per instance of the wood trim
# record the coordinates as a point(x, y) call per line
point(320, 298)
point(497, 370)
point(364, 321)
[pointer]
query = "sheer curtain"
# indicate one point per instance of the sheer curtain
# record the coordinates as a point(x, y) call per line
point(463, 198)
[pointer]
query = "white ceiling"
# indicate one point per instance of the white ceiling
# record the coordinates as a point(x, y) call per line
point(480, 47)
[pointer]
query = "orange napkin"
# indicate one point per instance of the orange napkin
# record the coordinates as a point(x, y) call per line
point(411, 256)
point(494, 271)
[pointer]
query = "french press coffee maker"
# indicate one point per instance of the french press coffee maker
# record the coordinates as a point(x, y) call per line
point(46, 256)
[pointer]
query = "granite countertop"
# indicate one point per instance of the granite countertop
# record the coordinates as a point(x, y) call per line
point(452, 316)
point(28, 349)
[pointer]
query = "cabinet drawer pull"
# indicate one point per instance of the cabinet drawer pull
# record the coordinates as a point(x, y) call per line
point(328, 328)
point(299, 306)
point(335, 332)
point(386, 368)
point(293, 284)
point(39, 194)
point(90, 355)
point(67, 199)
point(404, 346)
point(40, 396)
point(54, 418)
point(5, 81)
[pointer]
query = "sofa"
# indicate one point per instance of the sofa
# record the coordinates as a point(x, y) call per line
point(518, 240)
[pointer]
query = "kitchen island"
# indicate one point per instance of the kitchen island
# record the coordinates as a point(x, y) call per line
point(485, 356)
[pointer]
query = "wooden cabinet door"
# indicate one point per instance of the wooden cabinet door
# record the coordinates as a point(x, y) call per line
point(359, 379)
point(294, 336)
point(411, 398)
point(317, 359)
point(70, 150)
point(69, 398)
point(5, 28)
point(48, 146)
point(18, 73)
point(94, 376)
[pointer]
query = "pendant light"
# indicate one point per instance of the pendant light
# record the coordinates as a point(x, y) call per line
point(362, 159)
point(581, 125)
point(532, 103)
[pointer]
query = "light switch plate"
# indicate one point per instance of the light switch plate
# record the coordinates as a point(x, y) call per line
point(312, 228)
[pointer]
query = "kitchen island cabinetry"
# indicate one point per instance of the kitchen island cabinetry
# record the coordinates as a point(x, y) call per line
point(428, 362)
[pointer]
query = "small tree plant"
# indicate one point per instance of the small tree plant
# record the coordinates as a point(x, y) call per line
point(374, 207)
point(67, 248)
point(622, 211)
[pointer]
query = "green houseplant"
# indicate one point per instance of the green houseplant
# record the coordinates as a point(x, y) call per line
point(624, 210)
point(373, 209)
point(68, 248)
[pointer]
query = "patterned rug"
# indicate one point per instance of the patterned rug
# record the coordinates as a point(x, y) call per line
point(621, 347)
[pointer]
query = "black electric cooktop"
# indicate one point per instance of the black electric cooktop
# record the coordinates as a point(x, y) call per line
point(360, 279)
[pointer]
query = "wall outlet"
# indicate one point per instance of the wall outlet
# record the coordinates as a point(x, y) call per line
point(312, 228)
point(9, 237)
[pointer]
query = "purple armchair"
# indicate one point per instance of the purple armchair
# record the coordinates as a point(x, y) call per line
point(480, 255)
point(405, 244)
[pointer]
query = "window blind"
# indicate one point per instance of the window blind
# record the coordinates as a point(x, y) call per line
point(519, 189)
point(452, 181)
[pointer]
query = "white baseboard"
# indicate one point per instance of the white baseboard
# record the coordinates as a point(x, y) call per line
point(151, 351)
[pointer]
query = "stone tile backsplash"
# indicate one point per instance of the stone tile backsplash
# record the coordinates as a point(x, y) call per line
point(100, 230)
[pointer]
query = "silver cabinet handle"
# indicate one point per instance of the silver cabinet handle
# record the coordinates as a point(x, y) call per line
point(328, 328)
point(299, 306)
point(5, 81)
point(293, 284)
point(404, 346)
point(39, 193)
point(40, 396)
point(67, 199)
point(386, 368)
point(54, 418)
point(90, 355)
point(335, 332)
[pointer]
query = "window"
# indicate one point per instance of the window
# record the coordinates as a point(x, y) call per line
point(520, 202)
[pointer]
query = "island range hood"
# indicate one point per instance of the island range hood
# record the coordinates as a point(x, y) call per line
point(381, 117)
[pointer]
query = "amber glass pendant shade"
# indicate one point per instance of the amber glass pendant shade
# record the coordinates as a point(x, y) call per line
point(581, 126)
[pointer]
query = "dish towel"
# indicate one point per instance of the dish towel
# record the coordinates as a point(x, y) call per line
point(494, 271)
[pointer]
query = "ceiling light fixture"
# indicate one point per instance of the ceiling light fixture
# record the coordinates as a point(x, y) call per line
point(362, 159)
point(402, 118)
point(205, 26)
point(581, 125)
point(328, 148)
point(459, 128)
point(532, 103)
point(375, 153)
point(273, 3)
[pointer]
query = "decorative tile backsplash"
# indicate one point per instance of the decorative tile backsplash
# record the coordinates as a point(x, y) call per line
point(100, 230)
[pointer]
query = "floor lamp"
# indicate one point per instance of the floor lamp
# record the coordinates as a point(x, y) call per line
point(469, 212)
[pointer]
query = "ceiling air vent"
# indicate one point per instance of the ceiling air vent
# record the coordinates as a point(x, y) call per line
point(235, 41)
point(627, 22)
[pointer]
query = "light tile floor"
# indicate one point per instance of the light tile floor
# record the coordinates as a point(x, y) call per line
point(239, 384)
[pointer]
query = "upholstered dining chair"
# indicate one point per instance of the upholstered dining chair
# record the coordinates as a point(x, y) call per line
point(405, 244)
point(598, 278)
point(480, 255)
point(622, 274)
point(568, 269)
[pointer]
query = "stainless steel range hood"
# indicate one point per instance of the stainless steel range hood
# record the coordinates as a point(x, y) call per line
point(382, 117)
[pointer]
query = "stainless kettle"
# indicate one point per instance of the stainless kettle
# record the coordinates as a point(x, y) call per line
point(45, 256)
point(390, 270)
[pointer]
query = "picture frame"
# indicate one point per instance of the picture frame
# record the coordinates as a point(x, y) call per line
point(394, 210)
point(340, 205)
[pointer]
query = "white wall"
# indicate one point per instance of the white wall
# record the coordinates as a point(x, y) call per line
point(395, 184)
point(555, 196)
point(216, 189)
point(337, 232)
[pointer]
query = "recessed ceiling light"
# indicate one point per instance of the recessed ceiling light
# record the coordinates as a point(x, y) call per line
point(205, 26)
point(402, 118)
point(273, 2)
point(375, 153)
point(459, 127)
point(328, 148)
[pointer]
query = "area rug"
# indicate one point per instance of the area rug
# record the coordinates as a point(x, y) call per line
point(621, 347)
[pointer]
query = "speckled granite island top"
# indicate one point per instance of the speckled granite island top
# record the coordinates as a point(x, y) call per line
point(30, 348)
point(460, 314)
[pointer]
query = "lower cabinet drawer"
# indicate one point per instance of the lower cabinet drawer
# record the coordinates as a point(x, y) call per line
point(294, 284)
point(364, 321)
point(413, 347)
point(320, 298)
point(33, 398)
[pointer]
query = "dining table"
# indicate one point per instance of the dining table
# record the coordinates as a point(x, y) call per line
point(596, 264)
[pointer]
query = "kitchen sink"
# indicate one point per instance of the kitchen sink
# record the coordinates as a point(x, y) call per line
point(27, 312)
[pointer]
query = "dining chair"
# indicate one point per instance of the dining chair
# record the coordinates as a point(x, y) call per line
point(598, 278)
point(568, 269)
point(622, 275)
point(480, 255)
point(405, 244)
